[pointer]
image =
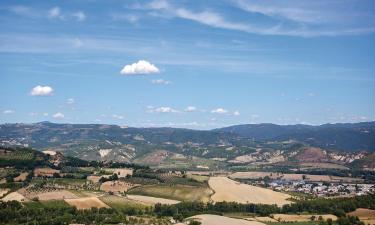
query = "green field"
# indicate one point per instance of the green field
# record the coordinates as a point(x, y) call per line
point(177, 192)
point(121, 203)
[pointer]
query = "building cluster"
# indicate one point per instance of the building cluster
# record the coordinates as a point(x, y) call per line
point(323, 189)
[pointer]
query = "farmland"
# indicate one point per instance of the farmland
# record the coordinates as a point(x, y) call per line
point(86, 203)
point(177, 192)
point(244, 193)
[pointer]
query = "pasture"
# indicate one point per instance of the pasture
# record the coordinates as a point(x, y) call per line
point(176, 192)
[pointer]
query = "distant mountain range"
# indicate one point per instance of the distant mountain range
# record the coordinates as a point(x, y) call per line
point(261, 143)
point(341, 136)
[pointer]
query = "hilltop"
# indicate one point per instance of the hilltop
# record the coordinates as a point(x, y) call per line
point(340, 144)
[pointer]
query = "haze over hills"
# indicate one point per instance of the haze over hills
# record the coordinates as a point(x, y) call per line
point(260, 143)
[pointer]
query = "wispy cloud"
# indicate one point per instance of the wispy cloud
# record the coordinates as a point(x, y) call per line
point(278, 27)
point(161, 82)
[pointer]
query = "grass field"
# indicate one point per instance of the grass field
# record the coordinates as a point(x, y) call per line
point(121, 203)
point(177, 192)
point(198, 178)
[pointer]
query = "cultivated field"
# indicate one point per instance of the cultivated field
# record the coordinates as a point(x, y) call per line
point(14, 196)
point(116, 186)
point(21, 177)
point(365, 215)
point(86, 203)
point(232, 191)
point(177, 192)
point(55, 195)
point(207, 219)
point(301, 218)
point(152, 200)
point(120, 203)
point(3, 192)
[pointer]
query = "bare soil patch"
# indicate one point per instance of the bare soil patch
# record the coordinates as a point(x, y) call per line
point(21, 177)
point(232, 191)
point(365, 215)
point(14, 196)
point(86, 203)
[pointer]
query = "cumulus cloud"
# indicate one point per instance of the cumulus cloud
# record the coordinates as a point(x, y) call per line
point(70, 101)
point(79, 16)
point(140, 67)
point(236, 113)
point(219, 111)
point(161, 81)
point(162, 109)
point(191, 109)
point(8, 111)
point(58, 115)
point(41, 91)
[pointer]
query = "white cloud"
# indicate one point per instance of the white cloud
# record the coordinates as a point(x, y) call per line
point(119, 117)
point(140, 67)
point(161, 81)
point(79, 15)
point(163, 109)
point(54, 13)
point(41, 91)
point(301, 16)
point(219, 111)
point(70, 101)
point(8, 111)
point(236, 113)
point(191, 109)
point(45, 114)
point(58, 115)
point(33, 114)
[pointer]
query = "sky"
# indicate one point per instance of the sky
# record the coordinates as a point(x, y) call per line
point(192, 64)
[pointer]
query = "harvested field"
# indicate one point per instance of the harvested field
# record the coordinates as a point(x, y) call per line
point(14, 196)
point(116, 186)
point(21, 177)
point(232, 191)
point(301, 218)
point(365, 215)
point(265, 219)
point(177, 192)
point(3, 192)
point(86, 203)
point(207, 219)
point(45, 172)
point(55, 195)
point(95, 179)
point(152, 200)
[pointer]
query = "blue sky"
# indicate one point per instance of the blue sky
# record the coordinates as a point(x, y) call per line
point(194, 64)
